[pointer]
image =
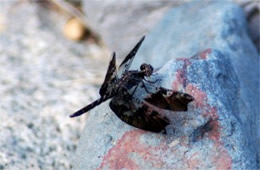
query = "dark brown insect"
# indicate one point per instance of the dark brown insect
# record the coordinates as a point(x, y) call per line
point(121, 87)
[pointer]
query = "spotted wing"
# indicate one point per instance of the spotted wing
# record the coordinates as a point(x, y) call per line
point(107, 88)
point(138, 114)
point(126, 63)
point(169, 99)
point(110, 79)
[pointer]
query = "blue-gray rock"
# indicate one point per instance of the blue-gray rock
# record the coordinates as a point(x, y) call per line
point(208, 135)
point(225, 84)
point(187, 29)
point(124, 22)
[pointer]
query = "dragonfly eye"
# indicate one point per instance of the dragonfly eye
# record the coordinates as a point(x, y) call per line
point(142, 67)
point(147, 69)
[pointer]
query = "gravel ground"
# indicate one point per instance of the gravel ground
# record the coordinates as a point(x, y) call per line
point(42, 76)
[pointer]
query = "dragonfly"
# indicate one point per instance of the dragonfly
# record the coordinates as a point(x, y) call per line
point(144, 113)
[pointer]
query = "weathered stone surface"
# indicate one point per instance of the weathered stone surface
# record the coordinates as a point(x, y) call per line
point(225, 86)
point(124, 22)
point(107, 142)
point(183, 33)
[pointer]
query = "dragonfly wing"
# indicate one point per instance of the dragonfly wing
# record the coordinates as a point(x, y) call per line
point(126, 63)
point(137, 113)
point(106, 91)
point(170, 99)
point(110, 78)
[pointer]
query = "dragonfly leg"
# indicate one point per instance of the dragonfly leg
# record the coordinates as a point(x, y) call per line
point(143, 85)
point(152, 82)
point(134, 90)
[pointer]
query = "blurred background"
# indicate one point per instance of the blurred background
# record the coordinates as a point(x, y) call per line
point(53, 57)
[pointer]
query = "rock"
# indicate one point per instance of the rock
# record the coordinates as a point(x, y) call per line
point(208, 136)
point(225, 30)
point(221, 129)
point(125, 22)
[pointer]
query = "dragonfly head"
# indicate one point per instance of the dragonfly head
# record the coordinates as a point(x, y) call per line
point(147, 69)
